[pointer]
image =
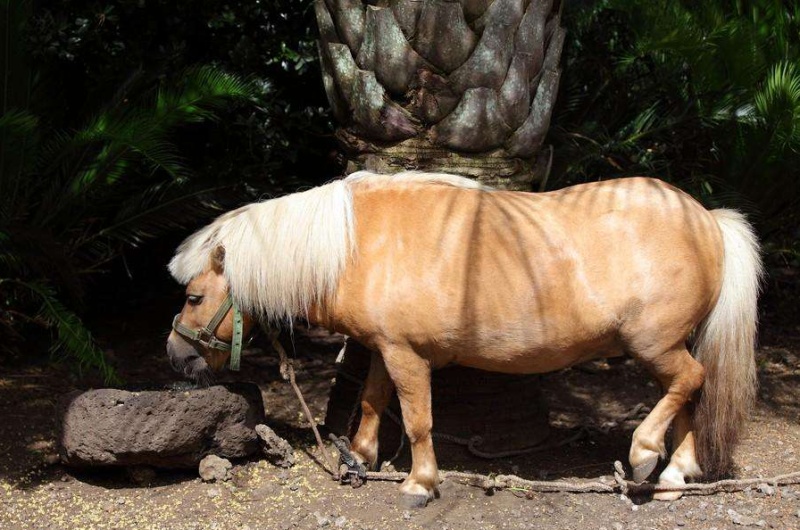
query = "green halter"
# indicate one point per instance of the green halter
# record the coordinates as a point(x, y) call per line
point(206, 338)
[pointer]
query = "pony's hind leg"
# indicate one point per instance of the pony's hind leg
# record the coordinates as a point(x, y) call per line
point(683, 462)
point(680, 376)
point(412, 377)
point(375, 397)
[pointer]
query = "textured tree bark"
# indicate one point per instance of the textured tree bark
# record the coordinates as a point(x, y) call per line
point(460, 86)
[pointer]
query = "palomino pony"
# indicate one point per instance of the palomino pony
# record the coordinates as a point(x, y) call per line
point(431, 270)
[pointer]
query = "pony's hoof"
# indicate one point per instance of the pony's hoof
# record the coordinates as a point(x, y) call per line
point(414, 501)
point(667, 495)
point(670, 477)
point(645, 468)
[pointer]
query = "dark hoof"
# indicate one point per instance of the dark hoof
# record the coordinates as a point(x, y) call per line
point(415, 502)
point(643, 470)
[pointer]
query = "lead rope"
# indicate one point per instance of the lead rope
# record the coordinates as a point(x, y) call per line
point(287, 373)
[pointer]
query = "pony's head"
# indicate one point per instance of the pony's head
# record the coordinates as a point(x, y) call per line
point(204, 330)
point(272, 260)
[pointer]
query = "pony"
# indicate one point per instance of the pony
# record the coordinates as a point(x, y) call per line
point(429, 270)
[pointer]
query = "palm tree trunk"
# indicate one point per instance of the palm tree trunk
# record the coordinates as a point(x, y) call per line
point(465, 87)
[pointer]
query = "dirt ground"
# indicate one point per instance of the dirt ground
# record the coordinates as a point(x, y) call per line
point(36, 492)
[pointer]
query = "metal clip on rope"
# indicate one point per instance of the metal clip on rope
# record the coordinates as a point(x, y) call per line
point(350, 469)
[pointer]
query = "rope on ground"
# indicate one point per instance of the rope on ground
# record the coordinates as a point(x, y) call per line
point(287, 373)
point(491, 483)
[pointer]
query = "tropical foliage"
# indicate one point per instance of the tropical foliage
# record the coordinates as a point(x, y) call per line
point(275, 145)
point(705, 94)
point(71, 198)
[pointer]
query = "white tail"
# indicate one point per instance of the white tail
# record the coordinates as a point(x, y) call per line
point(725, 346)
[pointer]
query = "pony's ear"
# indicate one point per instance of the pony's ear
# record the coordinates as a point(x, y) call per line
point(218, 259)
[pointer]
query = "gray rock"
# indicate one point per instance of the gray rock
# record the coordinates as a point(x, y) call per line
point(213, 493)
point(213, 468)
point(321, 519)
point(165, 429)
point(744, 520)
point(766, 489)
point(278, 450)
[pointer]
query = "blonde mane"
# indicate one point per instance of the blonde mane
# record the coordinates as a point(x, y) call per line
point(284, 254)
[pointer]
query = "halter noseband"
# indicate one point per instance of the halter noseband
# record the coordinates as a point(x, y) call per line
point(205, 335)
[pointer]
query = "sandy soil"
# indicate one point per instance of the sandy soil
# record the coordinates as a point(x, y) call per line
point(36, 492)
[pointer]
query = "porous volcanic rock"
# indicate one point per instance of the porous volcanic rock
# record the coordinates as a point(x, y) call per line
point(215, 469)
point(278, 450)
point(165, 428)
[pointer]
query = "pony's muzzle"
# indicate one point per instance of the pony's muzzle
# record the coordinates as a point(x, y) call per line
point(185, 359)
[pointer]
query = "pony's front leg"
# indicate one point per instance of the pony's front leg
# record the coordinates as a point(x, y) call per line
point(412, 377)
point(375, 397)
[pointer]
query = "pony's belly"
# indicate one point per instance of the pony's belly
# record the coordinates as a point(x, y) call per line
point(532, 361)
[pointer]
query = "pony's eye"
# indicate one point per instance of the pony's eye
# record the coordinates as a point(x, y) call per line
point(194, 299)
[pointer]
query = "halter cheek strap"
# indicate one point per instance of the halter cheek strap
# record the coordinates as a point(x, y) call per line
point(205, 335)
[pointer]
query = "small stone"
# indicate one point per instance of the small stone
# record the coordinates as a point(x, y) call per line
point(213, 468)
point(321, 519)
point(617, 526)
point(213, 493)
point(766, 489)
point(406, 515)
point(120, 500)
point(672, 507)
point(744, 520)
point(277, 450)
point(294, 487)
point(340, 521)
point(680, 522)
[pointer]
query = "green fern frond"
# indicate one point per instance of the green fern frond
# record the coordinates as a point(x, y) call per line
point(777, 104)
point(18, 122)
point(72, 337)
point(201, 91)
point(156, 210)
